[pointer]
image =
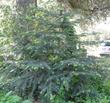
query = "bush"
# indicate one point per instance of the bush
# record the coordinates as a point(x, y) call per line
point(8, 98)
point(11, 98)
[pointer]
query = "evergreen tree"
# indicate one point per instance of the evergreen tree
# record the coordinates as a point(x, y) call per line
point(45, 56)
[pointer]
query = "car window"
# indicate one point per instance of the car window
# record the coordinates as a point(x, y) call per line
point(107, 44)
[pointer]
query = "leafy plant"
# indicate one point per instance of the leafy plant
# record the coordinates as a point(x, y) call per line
point(8, 98)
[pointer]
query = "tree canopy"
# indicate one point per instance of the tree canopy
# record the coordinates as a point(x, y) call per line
point(91, 6)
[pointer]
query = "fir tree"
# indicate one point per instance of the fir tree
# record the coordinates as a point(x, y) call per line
point(45, 55)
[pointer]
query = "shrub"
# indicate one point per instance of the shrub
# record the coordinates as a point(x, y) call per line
point(8, 98)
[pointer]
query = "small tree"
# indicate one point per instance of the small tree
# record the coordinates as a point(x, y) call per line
point(45, 56)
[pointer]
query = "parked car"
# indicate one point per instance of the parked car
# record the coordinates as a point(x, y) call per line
point(104, 48)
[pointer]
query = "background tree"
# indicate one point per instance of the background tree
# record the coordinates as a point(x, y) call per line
point(91, 6)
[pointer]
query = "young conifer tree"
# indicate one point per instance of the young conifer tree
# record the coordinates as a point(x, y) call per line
point(45, 55)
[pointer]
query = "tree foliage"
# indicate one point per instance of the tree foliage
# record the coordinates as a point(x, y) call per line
point(41, 56)
point(91, 6)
